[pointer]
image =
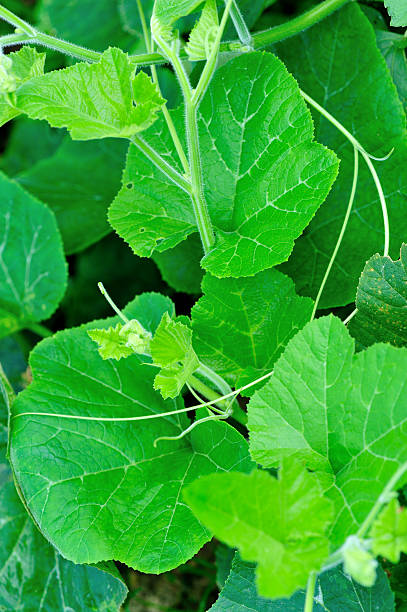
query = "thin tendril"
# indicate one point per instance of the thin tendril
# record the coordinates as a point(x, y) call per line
point(366, 156)
point(112, 304)
point(350, 317)
point(150, 416)
point(342, 232)
point(213, 417)
point(202, 401)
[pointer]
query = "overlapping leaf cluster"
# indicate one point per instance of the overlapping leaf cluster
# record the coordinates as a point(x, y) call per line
point(305, 487)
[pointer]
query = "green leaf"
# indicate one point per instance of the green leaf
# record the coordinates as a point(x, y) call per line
point(92, 100)
point(33, 576)
point(150, 213)
point(381, 301)
point(81, 188)
point(241, 326)
point(130, 15)
point(358, 562)
point(106, 464)
point(280, 523)
point(350, 91)
point(342, 414)
point(171, 350)
point(273, 176)
point(397, 10)
point(26, 64)
point(30, 288)
point(122, 340)
point(95, 25)
point(264, 176)
point(335, 592)
point(389, 532)
point(180, 266)
point(167, 12)
point(203, 35)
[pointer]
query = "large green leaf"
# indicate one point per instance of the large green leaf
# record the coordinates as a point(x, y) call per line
point(381, 301)
point(95, 25)
point(122, 497)
point(280, 523)
point(33, 576)
point(26, 64)
point(398, 12)
point(264, 177)
point(335, 592)
point(343, 415)
point(241, 326)
point(180, 266)
point(93, 100)
point(361, 95)
point(85, 178)
point(32, 264)
point(393, 48)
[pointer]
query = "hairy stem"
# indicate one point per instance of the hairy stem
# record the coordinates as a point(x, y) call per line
point(309, 595)
point(342, 232)
point(241, 28)
point(259, 39)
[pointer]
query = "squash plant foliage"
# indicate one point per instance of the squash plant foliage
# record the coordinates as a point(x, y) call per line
point(274, 190)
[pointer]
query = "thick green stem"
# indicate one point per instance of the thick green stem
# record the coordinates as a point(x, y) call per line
point(39, 329)
point(240, 25)
point(309, 595)
point(202, 217)
point(259, 39)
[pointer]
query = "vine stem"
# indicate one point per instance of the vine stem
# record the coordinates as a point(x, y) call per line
point(342, 232)
point(241, 28)
point(170, 124)
point(259, 39)
point(309, 595)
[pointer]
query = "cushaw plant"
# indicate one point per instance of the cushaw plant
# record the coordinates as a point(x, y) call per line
point(274, 417)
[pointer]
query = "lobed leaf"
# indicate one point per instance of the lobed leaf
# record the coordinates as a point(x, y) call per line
point(26, 64)
point(96, 469)
point(341, 414)
point(241, 326)
point(280, 523)
point(92, 100)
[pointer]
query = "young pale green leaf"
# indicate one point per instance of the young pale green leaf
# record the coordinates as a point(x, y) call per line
point(85, 178)
point(25, 64)
point(361, 95)
point(203, 35)
point(171, 350)
point(167, 12)
point(335, 592)
point(397, 10)
point(256, 143)
point(280, 523)
point(122, 340)
point(389, 532)
point(381, 301)
point(32, 263)
point(359, 562)
point(122, 497)
point(343, 415)
point(93, 100)
point(241, 326)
